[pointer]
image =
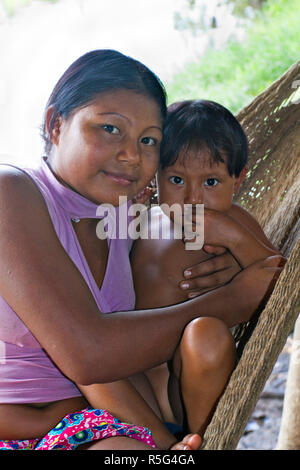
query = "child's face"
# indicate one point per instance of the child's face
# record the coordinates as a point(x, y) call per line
point(198, 180)
point(110, 147)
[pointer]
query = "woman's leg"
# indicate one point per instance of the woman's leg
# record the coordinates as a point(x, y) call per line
point(202, 366)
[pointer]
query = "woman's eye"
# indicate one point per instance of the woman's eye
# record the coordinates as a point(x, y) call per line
point(148, 141)
point(176, 180)
point(211, 182)
point(111, 129)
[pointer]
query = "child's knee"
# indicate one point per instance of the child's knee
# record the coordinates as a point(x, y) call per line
point(207, 342)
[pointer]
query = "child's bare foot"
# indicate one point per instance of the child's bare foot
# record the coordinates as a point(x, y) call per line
point(189, 442)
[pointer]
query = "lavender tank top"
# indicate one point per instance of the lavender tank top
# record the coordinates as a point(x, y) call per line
point(27, 374)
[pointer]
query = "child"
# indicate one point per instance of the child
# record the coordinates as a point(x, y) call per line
point(203, 161)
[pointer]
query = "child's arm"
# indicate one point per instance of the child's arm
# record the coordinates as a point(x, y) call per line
point(220, 269)
point(239, 233)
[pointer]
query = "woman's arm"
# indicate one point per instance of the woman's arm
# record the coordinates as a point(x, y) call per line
point(42, 284)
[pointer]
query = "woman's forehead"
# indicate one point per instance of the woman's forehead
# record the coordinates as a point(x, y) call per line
point(124, 103)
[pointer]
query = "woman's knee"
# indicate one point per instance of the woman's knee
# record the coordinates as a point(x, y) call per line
point(207, 341)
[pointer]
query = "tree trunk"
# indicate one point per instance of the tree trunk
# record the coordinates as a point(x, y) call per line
point(289, 435)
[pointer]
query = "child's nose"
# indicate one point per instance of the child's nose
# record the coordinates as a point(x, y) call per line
point(193, 195)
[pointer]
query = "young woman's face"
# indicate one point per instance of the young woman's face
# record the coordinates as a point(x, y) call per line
point(109, 148)
point(198, 180)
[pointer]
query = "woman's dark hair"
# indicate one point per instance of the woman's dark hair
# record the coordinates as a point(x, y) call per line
point(97, 72)
point(192, 125)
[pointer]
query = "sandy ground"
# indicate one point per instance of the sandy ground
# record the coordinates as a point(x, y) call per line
point(262, 430)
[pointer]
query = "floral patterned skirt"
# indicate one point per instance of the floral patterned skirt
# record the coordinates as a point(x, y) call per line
point(79, 428)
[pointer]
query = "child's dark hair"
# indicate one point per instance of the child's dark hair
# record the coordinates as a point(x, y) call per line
point(97, 72)
point(192, 125)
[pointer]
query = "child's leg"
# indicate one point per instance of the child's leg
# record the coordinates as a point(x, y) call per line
point(159, 379)
point(116, 443)
point(202, 365)
point(132, 401)
point(190, 442)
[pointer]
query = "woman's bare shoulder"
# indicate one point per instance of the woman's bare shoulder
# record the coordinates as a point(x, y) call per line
point(16, 185)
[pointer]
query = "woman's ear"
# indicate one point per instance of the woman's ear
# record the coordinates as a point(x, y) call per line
point(239, 179)
point(53, 131)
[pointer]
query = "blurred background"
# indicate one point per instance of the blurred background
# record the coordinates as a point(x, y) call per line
point(225, 50)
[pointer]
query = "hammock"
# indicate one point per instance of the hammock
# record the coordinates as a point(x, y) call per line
point(271, 192)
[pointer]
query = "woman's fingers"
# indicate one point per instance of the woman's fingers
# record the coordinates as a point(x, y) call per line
point(274, 261)
point(214, 250)
point(209, 281)
point(212, 265)
point(209, 274)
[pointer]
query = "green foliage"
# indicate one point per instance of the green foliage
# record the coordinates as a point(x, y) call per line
point(240, 7)
point(240, 71)
point(11, 6)
point(194, 16)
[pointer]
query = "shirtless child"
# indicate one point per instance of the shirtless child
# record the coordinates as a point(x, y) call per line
point(203, 161)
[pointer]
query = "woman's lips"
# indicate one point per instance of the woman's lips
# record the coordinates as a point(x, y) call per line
point(120, 178)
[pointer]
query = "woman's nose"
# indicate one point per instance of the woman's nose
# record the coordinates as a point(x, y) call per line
point(130, 152)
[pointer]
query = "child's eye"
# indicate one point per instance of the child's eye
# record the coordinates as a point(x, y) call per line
point(111, 129)
point(148, 141)
point(176, 180)
point(211, 182)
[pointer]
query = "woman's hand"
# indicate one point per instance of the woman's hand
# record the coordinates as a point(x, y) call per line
point(251, 289)
point(211, 273)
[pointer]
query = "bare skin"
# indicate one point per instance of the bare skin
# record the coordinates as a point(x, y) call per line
point(31, 255)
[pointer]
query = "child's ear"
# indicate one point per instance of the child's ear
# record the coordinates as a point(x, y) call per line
point(239, 179)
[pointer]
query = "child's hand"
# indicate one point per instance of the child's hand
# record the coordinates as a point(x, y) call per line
point(145, 194)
